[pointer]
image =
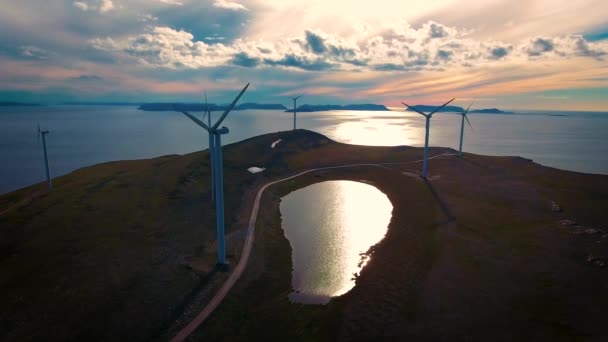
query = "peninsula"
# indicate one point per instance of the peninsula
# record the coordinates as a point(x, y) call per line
point(487, 248)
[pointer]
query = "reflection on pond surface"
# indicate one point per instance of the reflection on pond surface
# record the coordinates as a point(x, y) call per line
point(329, 226)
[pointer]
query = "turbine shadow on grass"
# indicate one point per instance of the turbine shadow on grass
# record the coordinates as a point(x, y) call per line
point(444, 208)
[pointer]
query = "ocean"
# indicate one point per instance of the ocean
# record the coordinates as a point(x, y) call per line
point(86, 135)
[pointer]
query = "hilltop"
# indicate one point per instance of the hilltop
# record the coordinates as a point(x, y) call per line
point(488, 248)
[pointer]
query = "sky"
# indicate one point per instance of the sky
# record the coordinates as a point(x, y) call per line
point(512, 54)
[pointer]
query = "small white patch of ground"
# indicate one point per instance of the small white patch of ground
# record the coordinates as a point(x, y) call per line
point(274, 144)
point(255, 169)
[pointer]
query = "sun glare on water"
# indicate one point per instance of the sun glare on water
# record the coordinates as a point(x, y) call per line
point(378, 129)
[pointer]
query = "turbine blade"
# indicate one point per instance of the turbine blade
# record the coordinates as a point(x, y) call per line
point(196, 120)
point(441, 107)
point(219, 121)
point(466, 117)
point(413, 108)
point(469, 107)
point(466, 111)
point(206, 105)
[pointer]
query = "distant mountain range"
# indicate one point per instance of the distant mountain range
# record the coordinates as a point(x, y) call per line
point(244, 106)
point(252, 105)
point(490, 111)
point(322, 108)
point(18, 104)
point(456, 109)
point(77, 103)
point(198, 107)
point(428, 109)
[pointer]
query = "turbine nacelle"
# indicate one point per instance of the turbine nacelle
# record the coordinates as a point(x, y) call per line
point(429, 115)
point(464, 114)
point(214, 128)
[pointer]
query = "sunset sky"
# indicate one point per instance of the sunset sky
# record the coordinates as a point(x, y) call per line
point(535, 54)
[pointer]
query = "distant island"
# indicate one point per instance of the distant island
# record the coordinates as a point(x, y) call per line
point(269, 106)
point(457, 109)
point(79, 103)
point(427, 108)
point(18, 104)
point(490, 111)
point(199, 107)
point(322, 108)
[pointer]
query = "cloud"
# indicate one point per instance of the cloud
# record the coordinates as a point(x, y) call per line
point(432, 46)
point(33, 52)
point(499, 52)
point(86, 78)
point(444, 55)
point(301, 62)
point(106, 6)
point(172, 2)
point(102, 6)
point(146, 17)
point(315, 43)
point(242, 59)
point(539, 46)
point(229, 5)
point(437, 30)
point(583, 48)
point(81, 5)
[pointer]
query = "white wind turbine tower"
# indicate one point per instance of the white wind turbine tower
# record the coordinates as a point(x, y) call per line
point(464, 116)
point(216, 166)
point(211, 143)
point(426, 137)
point(46, 159)
point(295, 99)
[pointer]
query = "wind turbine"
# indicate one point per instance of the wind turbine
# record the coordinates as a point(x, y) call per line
point(216, 167)
point(464, 116)
point(211, 143)
point(426, 137)
point(46, 159)
point(294, 110)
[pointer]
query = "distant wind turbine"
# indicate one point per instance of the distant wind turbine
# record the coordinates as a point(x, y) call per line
point(46, 159)
point(216, 166)
point(295, 99)
point(426, 137)
point(464, 116)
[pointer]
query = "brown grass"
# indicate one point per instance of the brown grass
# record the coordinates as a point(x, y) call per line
point(125, 250)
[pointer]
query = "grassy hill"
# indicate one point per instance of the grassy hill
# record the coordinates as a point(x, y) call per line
point(126, 250)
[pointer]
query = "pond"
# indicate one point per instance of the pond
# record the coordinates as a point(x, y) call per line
point(330, 226)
